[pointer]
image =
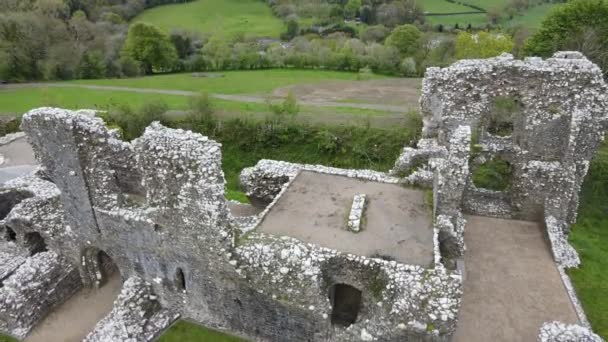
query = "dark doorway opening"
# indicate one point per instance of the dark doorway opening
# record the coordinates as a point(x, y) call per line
point(107, 267)
point(9, 234)
point(346, 303)
point(34, 243)
point(180, 279)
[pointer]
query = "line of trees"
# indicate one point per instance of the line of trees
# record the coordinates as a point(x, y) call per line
point(66, 39)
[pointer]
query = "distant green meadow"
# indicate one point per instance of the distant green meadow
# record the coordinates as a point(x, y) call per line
point(216, 17)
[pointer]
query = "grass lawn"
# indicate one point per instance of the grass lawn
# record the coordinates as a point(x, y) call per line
point(533, 17)
point(19, 101)
point(590, 238)
point(488, 4)
point(442, 6)
point(232, 82)
point(223, 17)
point(184, 331)
point(476, 20)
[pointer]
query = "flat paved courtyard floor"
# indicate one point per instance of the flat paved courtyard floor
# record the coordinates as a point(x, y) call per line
point(74, 319)
point(316, 206)
point(16, 160)
point(512, 285)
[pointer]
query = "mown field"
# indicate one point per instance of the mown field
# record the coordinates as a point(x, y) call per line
point(531, 17)
point(442, 6)
point(230, 82)
point(216, 17)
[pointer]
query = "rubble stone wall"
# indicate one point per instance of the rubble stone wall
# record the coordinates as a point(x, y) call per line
point(555, 132)
point(33, 290)
point(136, 316)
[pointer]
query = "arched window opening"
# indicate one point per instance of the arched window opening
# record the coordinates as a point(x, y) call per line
point(34, 243)
point(9, 234)
point(346, 303)
point(180, 279)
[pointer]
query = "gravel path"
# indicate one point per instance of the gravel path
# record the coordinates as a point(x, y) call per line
point(512, 285)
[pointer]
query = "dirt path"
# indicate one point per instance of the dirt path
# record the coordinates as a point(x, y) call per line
point(402, 93)
point(74, 319)
point(512, 285)
point(227, 97)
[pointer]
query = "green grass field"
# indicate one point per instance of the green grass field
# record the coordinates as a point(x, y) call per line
point(232, 82)
point(590, 238)
point(476, 20)
point(184, 331)
point(533, 17)
point(216, 17)
point(442, 6)
point(487, 4)
point(19, 101)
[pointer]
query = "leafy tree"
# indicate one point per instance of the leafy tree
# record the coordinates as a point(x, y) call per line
point(293, 28)
point(352, 8)
point(375, 34)
point(482, 44)
point(183, 43)
point(152, 48)
point(92, 65)
point(218, 52)
point(579, 25)
point(366, 13)
point(406, 39)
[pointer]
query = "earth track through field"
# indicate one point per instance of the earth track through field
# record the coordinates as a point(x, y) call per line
point(227, 97)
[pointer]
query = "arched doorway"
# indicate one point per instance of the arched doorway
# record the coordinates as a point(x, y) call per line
point(34, 242)
point(9, 234)
point(346, 303)
point(107, 267)
point(99, 267)
point(180, 280)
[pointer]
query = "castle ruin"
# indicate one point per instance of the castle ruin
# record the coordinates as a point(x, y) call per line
point(336, 254)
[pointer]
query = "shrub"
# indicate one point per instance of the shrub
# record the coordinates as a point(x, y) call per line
point(201, 107)
point(289, 107)
point(408, 67)
point(9, 125)
point(494, 174)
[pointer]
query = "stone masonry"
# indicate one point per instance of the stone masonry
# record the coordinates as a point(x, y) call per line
point(155, 209)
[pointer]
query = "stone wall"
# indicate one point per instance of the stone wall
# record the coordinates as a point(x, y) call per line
point(156, 207)
point(399, 302)
point(560, 332)
point(559, 110)
point(33, 290)
point(136, 316)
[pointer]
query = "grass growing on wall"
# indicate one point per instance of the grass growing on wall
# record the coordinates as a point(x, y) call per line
point(495, 174)
point(183, 331)
point(590, 238)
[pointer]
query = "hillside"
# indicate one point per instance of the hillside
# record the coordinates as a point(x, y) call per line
point(225, 17)
point(451, 13)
